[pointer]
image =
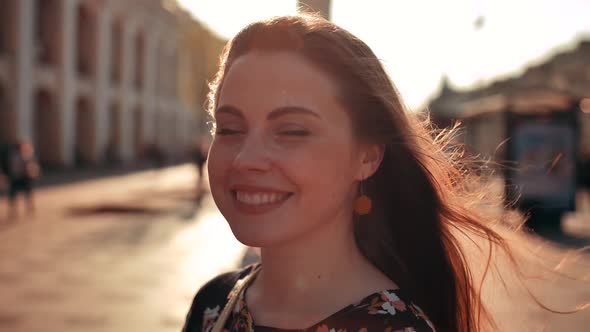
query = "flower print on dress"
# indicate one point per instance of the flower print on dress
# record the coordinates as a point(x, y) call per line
point(209, 317)
point(387, 303)
point(393, 302)
point(242, 320)
point(324, 328)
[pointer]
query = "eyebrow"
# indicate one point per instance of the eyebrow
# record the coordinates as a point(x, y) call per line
point(228, 109)
point(278, 112)
point(274, 114)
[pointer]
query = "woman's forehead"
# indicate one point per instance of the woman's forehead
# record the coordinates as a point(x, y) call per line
point(276, 74)
point(259, 83)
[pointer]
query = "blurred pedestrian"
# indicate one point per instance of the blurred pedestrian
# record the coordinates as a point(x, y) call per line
point(110, 153)
point(153, 153)
point(21, 170)
point(4, 151)
point(199, 157)
point(350, 199)
point(584, 178)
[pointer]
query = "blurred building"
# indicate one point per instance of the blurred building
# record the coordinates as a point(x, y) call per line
point(558, 88)
point(94, 80)
point(536, 126)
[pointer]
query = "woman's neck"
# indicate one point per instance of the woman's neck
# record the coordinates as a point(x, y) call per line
point(309, 265)
point(312, 276)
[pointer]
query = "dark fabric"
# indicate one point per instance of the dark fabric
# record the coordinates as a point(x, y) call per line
point(584, 173)
point(15, 165)
point(214, 293)
point(4, 153)
point(389, 310)
point(19, 185)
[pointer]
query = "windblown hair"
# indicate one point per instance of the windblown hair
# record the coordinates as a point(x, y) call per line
point(420, 204)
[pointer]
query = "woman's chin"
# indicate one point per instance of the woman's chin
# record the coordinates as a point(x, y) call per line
point(259, 238)
point(255, 240)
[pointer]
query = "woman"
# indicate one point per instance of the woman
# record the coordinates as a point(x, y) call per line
point(354, 206)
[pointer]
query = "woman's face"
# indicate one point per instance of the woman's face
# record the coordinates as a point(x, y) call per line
point(283, 163)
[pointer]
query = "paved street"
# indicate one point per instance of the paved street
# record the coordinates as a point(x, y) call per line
point(128, 252)
point(121, 254)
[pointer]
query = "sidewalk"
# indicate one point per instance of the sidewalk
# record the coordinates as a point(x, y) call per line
point(138, 270)
point(112, 271)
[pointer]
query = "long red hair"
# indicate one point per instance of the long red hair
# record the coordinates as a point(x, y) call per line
point(418, 192)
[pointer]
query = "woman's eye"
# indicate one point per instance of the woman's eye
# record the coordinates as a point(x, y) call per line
point(294, 133)
point(227, 131)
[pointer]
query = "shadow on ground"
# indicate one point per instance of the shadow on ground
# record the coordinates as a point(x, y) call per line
point(147, 203)
point(114, 209)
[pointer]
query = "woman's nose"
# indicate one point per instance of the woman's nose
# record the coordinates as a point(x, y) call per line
point(252, 155)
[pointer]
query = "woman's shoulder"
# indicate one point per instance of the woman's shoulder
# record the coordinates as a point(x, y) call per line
point(391, 310)
point(212, 297)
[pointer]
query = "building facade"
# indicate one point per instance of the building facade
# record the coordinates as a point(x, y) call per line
point(88, 81)
point(550, 90)
point(535, 128)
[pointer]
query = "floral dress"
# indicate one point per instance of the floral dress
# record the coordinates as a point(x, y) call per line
point(388, 310)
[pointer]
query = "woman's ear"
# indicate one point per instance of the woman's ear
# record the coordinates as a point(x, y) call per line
point(371, 158)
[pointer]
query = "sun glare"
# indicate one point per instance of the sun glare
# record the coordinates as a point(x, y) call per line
point(419, 41)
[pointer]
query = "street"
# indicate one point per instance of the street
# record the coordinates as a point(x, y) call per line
point(128, 253)
point(119, 254)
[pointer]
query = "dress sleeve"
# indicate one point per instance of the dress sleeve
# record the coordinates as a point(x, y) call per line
point(210, 300)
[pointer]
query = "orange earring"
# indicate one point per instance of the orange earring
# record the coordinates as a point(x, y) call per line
point(362, 204)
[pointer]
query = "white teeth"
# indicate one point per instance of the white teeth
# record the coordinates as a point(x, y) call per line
point(259, 198)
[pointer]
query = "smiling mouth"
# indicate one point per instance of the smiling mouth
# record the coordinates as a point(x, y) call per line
point(260, 198)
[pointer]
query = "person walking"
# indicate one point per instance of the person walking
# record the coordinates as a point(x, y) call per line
point(21, 170)
point(199, 158)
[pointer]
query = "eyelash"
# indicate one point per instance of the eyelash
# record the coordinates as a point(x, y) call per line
point(295, 133)
point(224, 132)
point(300, 133)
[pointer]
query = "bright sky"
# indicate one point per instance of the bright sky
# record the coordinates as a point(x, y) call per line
point(421, 40)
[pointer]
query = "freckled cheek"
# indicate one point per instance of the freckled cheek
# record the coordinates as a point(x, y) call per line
point(220, 160)
point(322, 164)
point(331, 170)
point(222, 154)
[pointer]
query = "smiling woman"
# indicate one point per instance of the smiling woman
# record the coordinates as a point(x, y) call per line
point(281, 133)
point(307, 125)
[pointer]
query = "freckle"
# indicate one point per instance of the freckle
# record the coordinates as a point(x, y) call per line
point(300, 284)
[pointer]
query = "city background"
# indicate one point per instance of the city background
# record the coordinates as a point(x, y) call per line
point(109, 97)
